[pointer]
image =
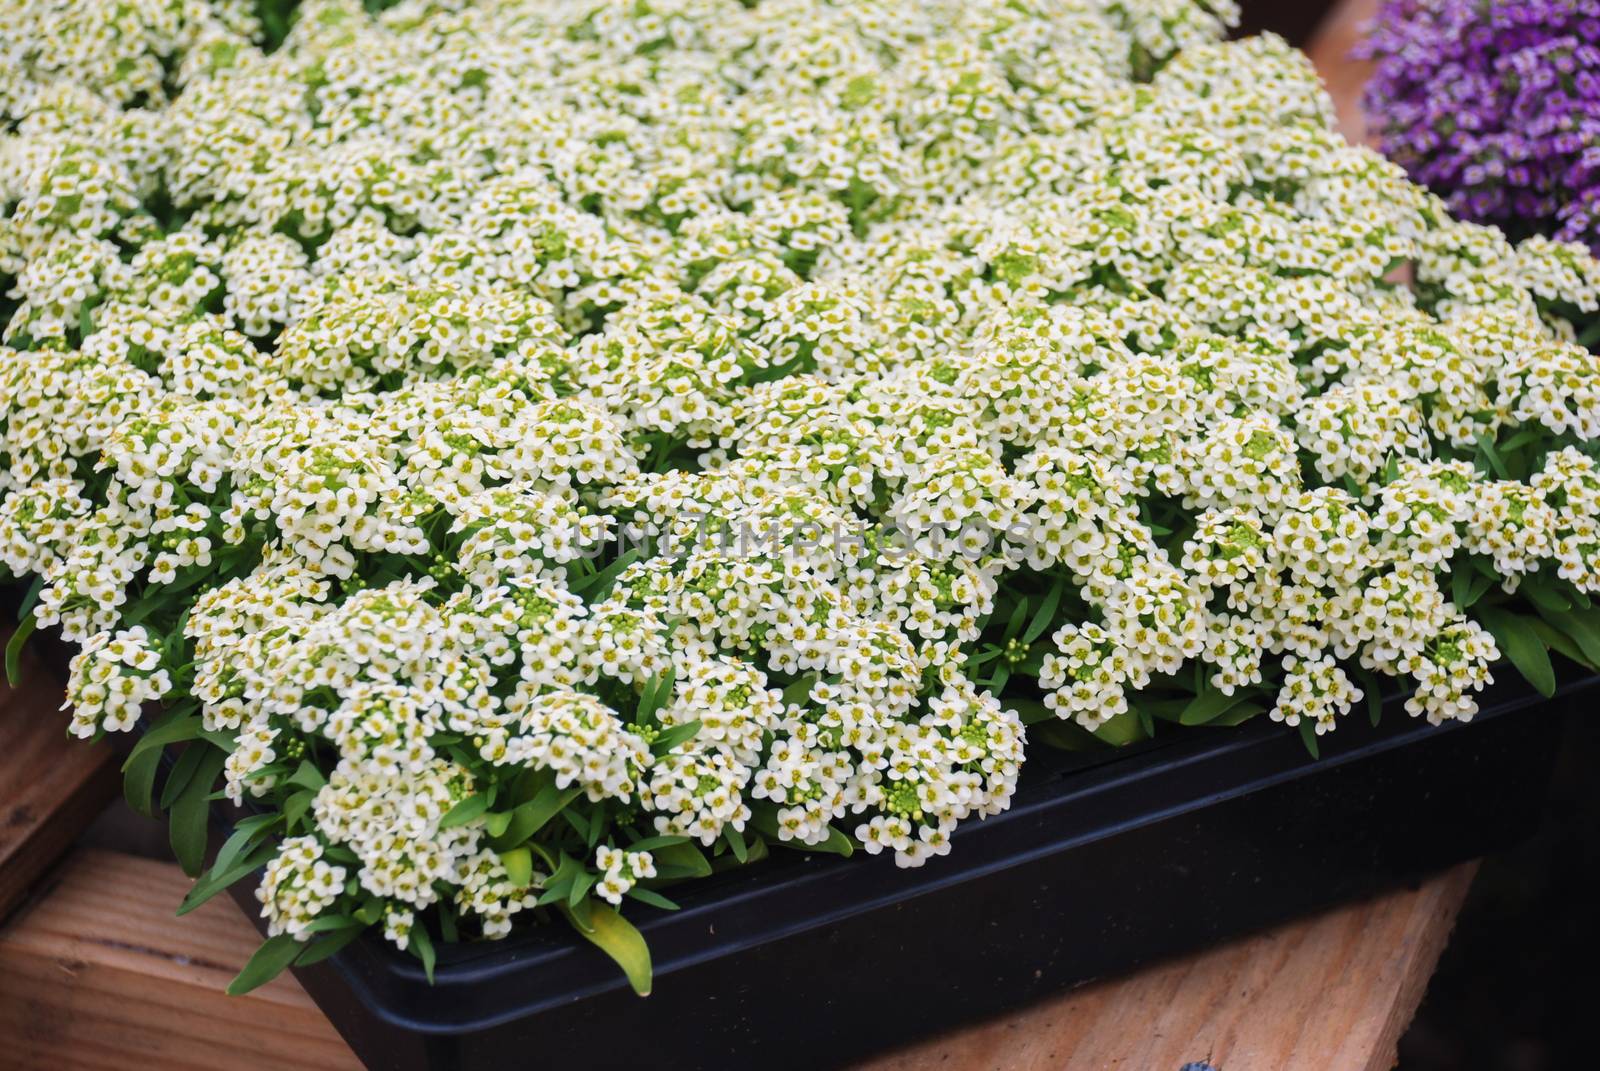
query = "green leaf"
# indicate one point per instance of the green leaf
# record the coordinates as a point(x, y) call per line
point(1372, 688)
point(654, 899)
point(497, 822)
point(531, 817)
point(19, 639)
point(213, 883)
point(1208, 707)
point(1589, 337)
point(296, 806)
point(1124, 729)
point(269, 961)
point(1583, 630)
point(686, 857)
point(836, 844)
point(306, 775)
point(1487, 452)
point(581, 915)
point(174, 728)
point(1014, 624)
point(329, 944)
point(1480, 586)
point(579, 823)
point(139, 781)
point(1165, 709)
point(595, 586)
point(182, 772)
point(650, 844)
point(657, 690)
point(1544, 598)
point(30, 599)
point(191, 811)
point(765, 821)
point(1308, 734)
point(244, 834)
point(1031, 711)
point(758, 852)
point(225, 739)
point(1557, 641)
point(736, 844)
point(1064, 736)
point(559, 884)
point(619, 939)
point(671, 738)
point(1520, 642)
point(988, 653)
point(422, 947)
point(1045, 615)
point(519, 866)
point(158, 595)
point(1470, 581)
point(1238, 715)
point(1521, 439)
point(800, 689)
point(468, 810)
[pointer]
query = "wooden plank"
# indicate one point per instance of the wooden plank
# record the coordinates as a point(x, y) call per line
point(1333, 993)
point(51, 786)
point(100, 974)
point(1344, 76)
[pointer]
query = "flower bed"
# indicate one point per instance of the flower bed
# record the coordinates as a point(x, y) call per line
point(541, 453)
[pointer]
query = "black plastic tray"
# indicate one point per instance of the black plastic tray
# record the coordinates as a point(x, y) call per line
point(1103, 863)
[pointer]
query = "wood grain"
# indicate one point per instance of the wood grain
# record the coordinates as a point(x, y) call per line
point(51, 786)
point(1330, 51)
point(99, 974)
point(1333, 993)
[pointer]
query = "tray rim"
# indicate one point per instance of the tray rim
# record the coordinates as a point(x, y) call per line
point(375, 974)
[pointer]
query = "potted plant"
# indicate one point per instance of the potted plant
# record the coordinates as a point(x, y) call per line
point(540, 466)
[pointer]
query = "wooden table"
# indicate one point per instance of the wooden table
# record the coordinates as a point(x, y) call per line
point(97, 974)
point(51, 785)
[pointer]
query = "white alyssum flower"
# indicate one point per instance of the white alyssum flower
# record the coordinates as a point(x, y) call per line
point(529, 429)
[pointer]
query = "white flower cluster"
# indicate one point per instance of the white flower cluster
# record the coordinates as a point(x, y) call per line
point(691, 420)
point(621, 871)
point(113, 676)
point(299, 885)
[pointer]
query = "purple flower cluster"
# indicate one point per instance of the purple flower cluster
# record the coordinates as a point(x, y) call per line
point(1495, 104)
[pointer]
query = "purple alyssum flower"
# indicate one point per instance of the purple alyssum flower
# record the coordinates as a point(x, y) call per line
point(1495, 104)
